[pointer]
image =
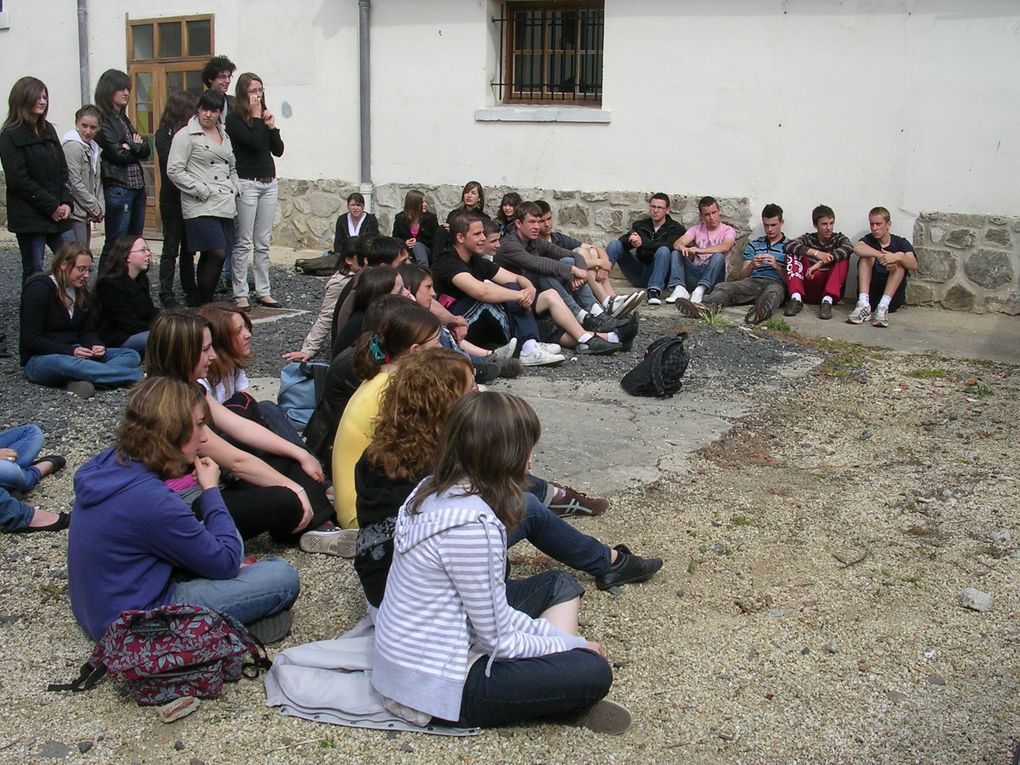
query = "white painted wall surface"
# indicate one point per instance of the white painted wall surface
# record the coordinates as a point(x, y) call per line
point(908, 103)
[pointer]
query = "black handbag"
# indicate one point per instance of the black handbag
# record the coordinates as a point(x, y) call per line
point(659, 373)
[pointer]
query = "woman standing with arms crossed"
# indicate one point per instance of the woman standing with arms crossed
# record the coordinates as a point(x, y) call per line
point(256, 140)
point(180, 108)
point(120, 161)
point(38, 194)
point(202, 166)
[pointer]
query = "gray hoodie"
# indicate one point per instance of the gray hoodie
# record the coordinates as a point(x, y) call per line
point(83, 173)
point(446, 605)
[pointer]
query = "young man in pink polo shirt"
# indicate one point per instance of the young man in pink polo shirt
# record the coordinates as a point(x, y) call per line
point(699, 257)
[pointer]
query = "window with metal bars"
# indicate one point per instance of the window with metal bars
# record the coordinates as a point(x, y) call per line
point(550, 52)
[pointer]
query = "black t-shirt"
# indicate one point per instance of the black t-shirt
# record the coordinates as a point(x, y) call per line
point(448, 265)
point(896, 244)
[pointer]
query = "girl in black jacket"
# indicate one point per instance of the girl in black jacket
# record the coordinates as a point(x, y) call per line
point(38, 192)
point(123, 301)
point(180, 107)
point(123, 148)
point(416, 227)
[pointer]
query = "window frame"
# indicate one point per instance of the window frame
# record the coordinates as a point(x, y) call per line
point(504, 83)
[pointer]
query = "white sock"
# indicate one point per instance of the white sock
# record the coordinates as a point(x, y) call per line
point(885, 301)
point(863, 298)
point(826, 299)
point(586, 337)
point(681, 291)
point(608, 302)
point(796, 296)
point(595, 310)
point(613, 337)
point(581, 315)
point(699, 292)
point(529, 347)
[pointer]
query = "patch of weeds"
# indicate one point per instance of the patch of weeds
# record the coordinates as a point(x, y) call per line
point(740, 520)
point(927, 373)
point(327, 743)
point(911, 579)
point(692, 567)
point(716, 320)
point(978, 388)
point(778, 325)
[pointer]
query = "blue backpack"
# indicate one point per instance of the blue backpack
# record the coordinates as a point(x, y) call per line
point(301, 385)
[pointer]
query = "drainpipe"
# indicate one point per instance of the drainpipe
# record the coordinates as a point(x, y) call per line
point(83, 51)
point(365, 125)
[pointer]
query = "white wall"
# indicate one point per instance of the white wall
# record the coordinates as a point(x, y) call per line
point(908, 103)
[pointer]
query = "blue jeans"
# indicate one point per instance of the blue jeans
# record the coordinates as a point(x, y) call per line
point(18, 474)
point(118, 368)
point(137, 342)
point(559, 540)
point(651, 275)
point(707, 275)
point(33, 249)
point(421, 254)
point(563, 683)
point(125, 214)
point(14, 514)
point(262, 589)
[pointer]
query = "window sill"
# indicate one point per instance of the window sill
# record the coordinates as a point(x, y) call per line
point(527, 113)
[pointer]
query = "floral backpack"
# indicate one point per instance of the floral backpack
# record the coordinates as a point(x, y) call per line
point(171, 652)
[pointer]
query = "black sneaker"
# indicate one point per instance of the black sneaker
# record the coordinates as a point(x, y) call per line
point(629, 568)
point(486, 372)
point(628, 331)
point(760, 311)
point(653, 297)
point(598, 346)
point(601, 323)
point(511, 368)
point(825, 310)
point(569, 502)
point(793, 307)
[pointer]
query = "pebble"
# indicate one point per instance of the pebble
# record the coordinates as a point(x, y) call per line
point(406, 747)
point(56, 750)
point(1001, 538)
point(831, 647)
point(895, 696)
point(196, 761)
point(179, 745)
point(863, 666)
point(84, 746)
point(936, 680)
point(976, 600)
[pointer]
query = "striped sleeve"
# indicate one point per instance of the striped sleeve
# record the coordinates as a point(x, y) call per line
point(472, 555)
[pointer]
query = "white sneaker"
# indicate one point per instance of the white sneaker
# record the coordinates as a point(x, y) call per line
point(860, 314)
point(881, 317)
point(697, 295)
point(680, 291)
point(504, 353)
point(623, 305)
point(540, 358)
point(552, 348)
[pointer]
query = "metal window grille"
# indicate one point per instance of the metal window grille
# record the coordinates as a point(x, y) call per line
point(550, 52)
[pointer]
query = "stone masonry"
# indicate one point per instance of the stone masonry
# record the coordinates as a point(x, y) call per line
point(967, 262)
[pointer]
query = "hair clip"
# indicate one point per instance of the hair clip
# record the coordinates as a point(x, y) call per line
point(377, 352)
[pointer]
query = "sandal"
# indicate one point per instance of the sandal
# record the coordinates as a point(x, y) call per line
point(268, 301)
point(58, 462)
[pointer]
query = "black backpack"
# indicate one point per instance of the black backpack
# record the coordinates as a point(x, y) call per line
point(660, 371)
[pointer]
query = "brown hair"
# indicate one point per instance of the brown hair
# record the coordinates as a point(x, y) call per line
point(413, 206)
point(21, 101)
point(880, 211)
point(241, 105)
point(219, 317)
point(414, 407)
point(157, 422)
point(63, 261)
point(175, 344)
point(486, 444)
point(404, 325)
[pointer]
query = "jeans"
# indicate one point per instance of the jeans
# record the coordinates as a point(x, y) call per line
point(125, 214)
point(262, 589)
point(421, 254)
point(15, 515)
point(559, 540)
point(651, 275)
point(18, 474)
point(256, 209)
point(575, 300)
point(523, 689)
point(118, 368)
point(33, 249)
point(174, 248)
point(137, 342)
point(707, 275)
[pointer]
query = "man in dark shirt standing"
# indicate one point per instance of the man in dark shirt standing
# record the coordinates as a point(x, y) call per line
point(883, 261)
point(824, 280)
point(644, 253)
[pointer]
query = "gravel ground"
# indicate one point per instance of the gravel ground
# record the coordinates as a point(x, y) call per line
point(808, 611)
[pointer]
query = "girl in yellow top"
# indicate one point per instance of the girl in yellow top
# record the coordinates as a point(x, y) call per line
point(404, 328)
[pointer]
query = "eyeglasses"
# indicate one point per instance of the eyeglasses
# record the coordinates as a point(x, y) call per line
point(82, 269)
point(145, 249)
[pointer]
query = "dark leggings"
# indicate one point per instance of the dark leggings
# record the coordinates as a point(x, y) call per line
point(210, 266)
point(256, 509)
